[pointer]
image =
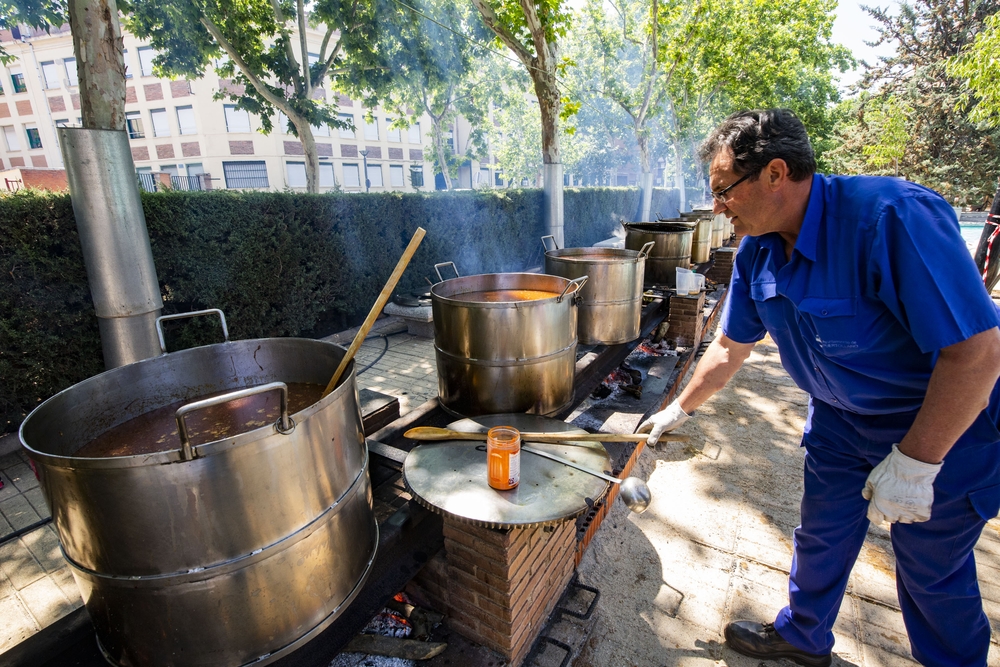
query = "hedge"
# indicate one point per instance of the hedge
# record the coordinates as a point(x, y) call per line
point(278, 264)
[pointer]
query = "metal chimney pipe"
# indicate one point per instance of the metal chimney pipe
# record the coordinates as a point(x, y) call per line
point(112, 227)
point(552, 180)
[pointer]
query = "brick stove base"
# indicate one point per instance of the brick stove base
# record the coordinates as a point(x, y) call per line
point(498, 587)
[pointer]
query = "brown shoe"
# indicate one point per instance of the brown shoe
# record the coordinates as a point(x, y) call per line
point(763, 641)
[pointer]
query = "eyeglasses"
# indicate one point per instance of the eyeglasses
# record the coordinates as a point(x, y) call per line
point(721, 197)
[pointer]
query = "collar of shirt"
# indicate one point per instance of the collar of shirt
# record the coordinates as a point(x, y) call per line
point(805, 244)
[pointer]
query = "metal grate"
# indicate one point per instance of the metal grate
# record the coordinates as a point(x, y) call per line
point(250, 174)
point(186, 183)
point(147, 182)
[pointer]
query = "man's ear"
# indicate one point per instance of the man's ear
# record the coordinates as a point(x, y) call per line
point(776, 173)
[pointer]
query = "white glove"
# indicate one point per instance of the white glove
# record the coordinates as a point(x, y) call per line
point(901, 489)
point(666, 419)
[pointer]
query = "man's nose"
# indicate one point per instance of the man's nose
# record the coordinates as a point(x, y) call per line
point(718, 207)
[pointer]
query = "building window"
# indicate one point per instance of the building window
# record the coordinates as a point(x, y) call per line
point(128, 68)
point(416, 176)
point(161, 126)
point(371, 130)
point(346, 132)
point(72, 79)
point(185, 120)
point(352, 176)
point(296, 174)
point(396, 175)
point(498, 179)
point(34, 139)
point(321, 130)
point(237, 120)
point(392, 134)
point(17, 80)
point(10, 134)
point(133, 123)
point(50, 73)
point(146, 179)
point(169, 169)
point(413, 133)
point(283, 123)
point(245, 174)
point(146, 60)
point(483, 177)
point(62, 122)
point(326, 179)
point(375, 175)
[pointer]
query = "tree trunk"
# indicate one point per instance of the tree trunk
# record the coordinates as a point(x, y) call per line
point(439, 151)
point(549, 104)
point(699, 169)
point(308, 142)
point(97, 45)
point(679, 175)
point(646, 177)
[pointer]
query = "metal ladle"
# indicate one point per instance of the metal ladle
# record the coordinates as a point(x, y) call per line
point(633, 491)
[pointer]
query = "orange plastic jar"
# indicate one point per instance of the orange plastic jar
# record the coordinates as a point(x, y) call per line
point(503, 457)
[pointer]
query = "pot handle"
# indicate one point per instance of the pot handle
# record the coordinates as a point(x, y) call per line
point(644, 253)
point(545, 246)
point(579, 282)
point(437, 270)
point(193, 313)
point(284, 424)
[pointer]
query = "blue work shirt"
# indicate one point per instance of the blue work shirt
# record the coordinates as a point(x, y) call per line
point(879, 281)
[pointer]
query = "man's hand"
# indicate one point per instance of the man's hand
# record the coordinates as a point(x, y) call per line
point(665, 420)
point(900, 489)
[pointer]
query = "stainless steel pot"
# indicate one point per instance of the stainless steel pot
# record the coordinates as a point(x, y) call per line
point(718, 231)
point(505, 356)
point(232, 552)
point(701, 242)
point(672, 248)
point(611, 301)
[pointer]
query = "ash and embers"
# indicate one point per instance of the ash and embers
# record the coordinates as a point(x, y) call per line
point(387, 623)
point(627, 378)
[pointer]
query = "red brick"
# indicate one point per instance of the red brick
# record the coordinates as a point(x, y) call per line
point(293, 148)
point(348, 150)
point(190, 149)
point(395, 153)
point(324, 150)
point(374, 152)
point(4, 110)
point(241, 148)
point(130, 95)
point(74, 98)
point(344, 101)
point(164, 151)
point(44, 179)
point(57, 103)
point(152, 92)
point(17, 162)
point(39, 161)
point(24, 108)
point(180, 88)
point(140, 153)
point(416, 154)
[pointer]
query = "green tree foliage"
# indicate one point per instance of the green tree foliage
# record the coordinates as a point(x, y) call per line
point(42, 14)
point(889, 120)
point(947, 149)
point(979, 65)
point(260, 46)
point(438, 62)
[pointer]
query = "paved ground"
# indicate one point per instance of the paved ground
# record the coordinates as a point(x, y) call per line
point(715, 544)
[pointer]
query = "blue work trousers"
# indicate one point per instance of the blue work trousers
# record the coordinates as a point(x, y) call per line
point(935, 567)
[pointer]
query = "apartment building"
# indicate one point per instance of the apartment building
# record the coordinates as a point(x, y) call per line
point(180, 134)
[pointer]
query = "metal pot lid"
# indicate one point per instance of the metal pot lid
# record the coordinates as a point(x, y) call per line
point(450, 477)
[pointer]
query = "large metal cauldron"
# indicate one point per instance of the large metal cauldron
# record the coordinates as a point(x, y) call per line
point(611, 301)
point(671, 248)
point(235, 553)
point(505, 356)
point(701, 242)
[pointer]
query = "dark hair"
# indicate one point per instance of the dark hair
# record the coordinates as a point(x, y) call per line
point(759, 136)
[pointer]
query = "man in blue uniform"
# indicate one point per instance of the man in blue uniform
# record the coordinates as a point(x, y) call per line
point(876, 307)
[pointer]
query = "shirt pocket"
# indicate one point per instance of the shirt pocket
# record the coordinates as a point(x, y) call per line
point(832, 324)
point(762, 291)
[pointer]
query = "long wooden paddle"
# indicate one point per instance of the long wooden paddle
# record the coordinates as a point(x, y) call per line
point(434, 433)
point(376, 310)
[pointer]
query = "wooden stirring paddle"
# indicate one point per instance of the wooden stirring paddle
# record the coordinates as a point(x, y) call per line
point(376, 310)
point(434, 433)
